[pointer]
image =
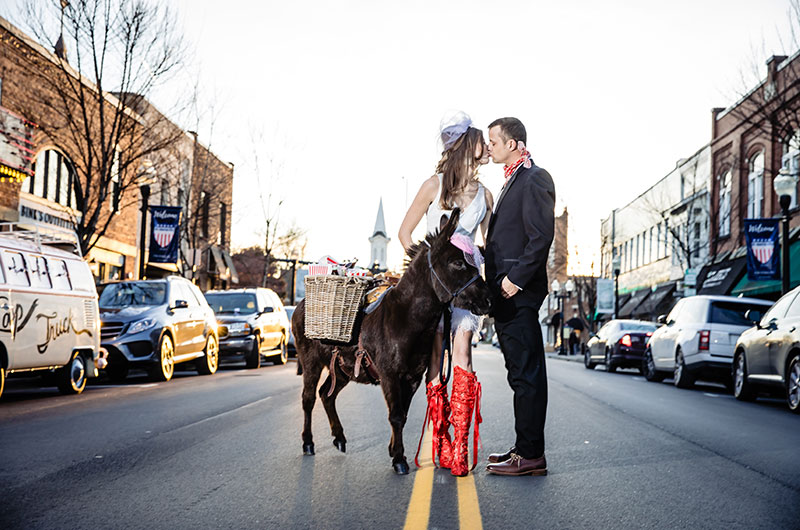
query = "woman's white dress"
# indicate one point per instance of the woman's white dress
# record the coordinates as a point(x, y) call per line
point(468, 223)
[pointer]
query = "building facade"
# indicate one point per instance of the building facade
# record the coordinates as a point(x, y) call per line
point(658, 236)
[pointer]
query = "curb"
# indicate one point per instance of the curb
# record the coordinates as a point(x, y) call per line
point(568, 358)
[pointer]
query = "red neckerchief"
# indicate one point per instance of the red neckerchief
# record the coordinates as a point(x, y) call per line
point(525, 160)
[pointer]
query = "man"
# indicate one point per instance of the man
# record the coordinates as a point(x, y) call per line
point(517, 246)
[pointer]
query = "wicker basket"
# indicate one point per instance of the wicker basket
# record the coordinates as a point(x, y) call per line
point(332, 304)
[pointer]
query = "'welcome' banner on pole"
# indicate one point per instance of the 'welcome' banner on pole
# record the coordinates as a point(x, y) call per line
point(763, 251)
point(164, 234)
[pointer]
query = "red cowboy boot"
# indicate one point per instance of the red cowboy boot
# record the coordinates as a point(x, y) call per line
point(438, 414)
point(466, 398)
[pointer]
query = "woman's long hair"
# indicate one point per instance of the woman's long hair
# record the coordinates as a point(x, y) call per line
point(458, 165)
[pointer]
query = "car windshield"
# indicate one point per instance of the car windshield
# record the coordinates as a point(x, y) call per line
point(630, 326)
point(126, 294)
point(733, 313)
point(242, 303)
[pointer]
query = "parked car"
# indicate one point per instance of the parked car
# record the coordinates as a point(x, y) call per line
point(292, 349)
point(156, 324)
point(619, 344)
point(767, 356)
point(48, 308)
point(698, 337)
point(252, 323)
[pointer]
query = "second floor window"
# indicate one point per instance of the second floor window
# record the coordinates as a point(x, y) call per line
point(755, 186)
point(791, 158)
point(53, 178)
point(725, 203)
point(204, 207)
point(223, 222)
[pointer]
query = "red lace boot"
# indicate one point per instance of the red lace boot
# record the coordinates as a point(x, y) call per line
point(466, 398)
point(438, 415)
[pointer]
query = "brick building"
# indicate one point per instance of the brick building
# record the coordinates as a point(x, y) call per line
point(39, 174)
point(751, 141)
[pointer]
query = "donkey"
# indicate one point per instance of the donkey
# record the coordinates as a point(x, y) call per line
point(398, 336)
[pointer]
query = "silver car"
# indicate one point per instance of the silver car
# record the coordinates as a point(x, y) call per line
point(698, 338)
point(767, 356)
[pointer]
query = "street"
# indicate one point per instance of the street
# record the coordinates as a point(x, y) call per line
point(224, 451)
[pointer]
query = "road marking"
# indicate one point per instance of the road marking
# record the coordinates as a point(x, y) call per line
point(419, 507)
point(469, 512)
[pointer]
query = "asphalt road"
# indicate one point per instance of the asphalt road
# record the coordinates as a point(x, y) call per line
point(224, 451)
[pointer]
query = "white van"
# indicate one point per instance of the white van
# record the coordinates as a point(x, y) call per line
point(48, 307)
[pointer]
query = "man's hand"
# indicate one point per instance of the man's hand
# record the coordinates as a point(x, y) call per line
point(508, 288)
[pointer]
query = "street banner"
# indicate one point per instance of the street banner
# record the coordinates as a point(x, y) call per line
point(605, 296)
point(763, 252)
point(164, 234)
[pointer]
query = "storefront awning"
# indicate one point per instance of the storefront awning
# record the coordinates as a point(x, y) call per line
point(718, 278)
point(771, 288)
point(230, 266)
point(171, 267)
point(632, 305)
point(658, 302)
point(219, 262)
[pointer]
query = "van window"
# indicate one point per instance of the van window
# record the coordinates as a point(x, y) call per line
point(38, 269)
point(60, 274)
point(15, 269)
point(80, 276)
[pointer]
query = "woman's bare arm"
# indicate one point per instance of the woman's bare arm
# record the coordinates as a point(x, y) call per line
point(488, 216)
point(425, 196)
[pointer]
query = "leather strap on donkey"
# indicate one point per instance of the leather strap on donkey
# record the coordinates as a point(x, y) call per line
point(362, 358)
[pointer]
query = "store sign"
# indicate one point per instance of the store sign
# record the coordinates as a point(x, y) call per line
point(39, 213)
point(763, 252)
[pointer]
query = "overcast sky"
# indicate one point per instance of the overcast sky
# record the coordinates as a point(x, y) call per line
point(346, 98)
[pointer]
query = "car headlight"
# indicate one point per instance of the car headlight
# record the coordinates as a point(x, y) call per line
point(239, 328)
point(142, 325)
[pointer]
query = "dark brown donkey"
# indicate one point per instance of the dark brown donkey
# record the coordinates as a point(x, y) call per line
point(398, 336)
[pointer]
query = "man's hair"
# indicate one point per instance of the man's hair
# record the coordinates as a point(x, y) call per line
point(511, 129)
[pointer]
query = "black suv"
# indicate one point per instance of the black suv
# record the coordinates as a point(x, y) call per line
point(155, 324)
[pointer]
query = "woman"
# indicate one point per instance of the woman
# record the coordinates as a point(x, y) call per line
point(455, 185)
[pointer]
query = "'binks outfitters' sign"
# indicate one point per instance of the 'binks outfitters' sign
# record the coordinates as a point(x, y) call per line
point(164, 234)
point(763, 252)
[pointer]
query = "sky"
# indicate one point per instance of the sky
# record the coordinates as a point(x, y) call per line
point(339, 102)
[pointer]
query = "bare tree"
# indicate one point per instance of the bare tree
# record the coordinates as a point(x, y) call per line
point(108, 55)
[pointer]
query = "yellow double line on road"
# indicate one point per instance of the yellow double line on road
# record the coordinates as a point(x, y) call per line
point(419, 507)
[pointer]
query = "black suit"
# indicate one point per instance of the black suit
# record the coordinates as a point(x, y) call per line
point(518, 245)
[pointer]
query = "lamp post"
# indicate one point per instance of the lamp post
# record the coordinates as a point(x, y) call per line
point(145, 190)
point(784, 184)
point(562, 293)
point(616, 263)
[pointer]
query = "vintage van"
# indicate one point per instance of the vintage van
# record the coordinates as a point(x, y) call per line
point(48, 307)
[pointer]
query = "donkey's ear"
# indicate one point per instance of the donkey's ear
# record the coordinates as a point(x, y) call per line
point(450, 228)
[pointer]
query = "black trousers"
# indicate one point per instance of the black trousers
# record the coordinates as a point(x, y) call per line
point(520, 337)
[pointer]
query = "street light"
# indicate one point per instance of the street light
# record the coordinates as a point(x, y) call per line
point(784, 185)
point(561, 294)
point(616, 264)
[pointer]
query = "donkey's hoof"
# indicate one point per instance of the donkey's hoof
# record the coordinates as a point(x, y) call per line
point(401, 468)
point(341, 445)
point(308, 449)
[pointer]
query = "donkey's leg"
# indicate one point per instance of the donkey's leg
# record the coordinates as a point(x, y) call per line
point(311, 376)
point(397, 394)
point(330, 408)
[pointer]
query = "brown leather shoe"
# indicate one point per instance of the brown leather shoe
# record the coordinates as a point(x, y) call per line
point(494, 458)
point(516, 466)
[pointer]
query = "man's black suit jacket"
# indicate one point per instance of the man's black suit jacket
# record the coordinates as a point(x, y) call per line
point(520, 234)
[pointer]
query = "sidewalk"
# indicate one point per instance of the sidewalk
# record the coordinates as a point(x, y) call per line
point(553, 354)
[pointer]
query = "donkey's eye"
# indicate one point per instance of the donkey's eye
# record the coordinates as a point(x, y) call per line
point(459, 264)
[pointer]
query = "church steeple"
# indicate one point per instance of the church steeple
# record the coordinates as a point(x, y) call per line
point(379, 240)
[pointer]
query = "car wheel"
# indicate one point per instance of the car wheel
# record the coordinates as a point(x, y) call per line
point(682, 378)
point(649, 368)
point(253, 358)
point(208, 363)
point(610, 367)
point(165, 367)
point(71, 379)
point(283, 356)
point(587, 361)
point(117, 371)
point(742, 389)
point(793, 384)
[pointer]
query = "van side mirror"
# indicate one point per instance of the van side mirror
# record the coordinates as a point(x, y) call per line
point(267, 310)
point(662, 319)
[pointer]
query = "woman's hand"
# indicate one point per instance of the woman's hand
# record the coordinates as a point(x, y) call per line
point(427, 193)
